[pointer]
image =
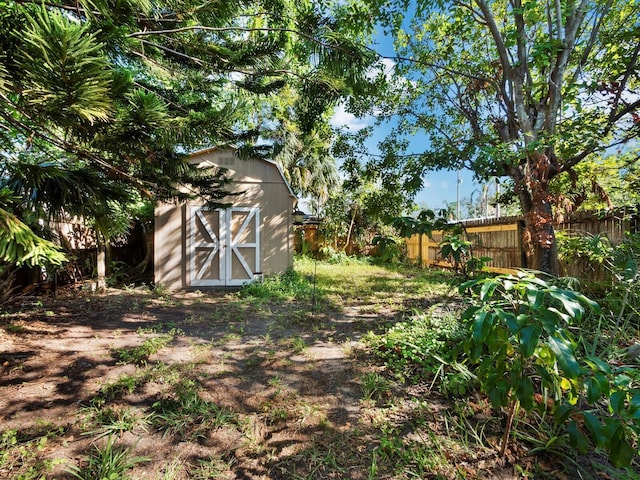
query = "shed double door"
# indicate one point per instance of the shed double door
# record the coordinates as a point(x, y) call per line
point(223, 246)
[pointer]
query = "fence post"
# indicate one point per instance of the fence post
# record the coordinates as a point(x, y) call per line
point(523, 254)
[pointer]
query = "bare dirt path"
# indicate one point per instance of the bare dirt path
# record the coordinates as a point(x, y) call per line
point(201, 385)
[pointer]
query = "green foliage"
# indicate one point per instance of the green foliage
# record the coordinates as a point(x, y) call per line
point(21, 457)
point(19, 245)
point(186, 414)
point(619, 261)
point(60, 56)
point(417, 349)
point(119, 272)
point(287, 286)
point(453, 247)
point(120, 93)
point(526, 92)
point(525, 353)
point(110, 420)
point(374, 387)
point(356, 213)
point(388, 249)
point(425, 223)
point(106, 463)
point(120, 386)
point(599, 183)
point(140, 354)
point(595, 248)
point(339, 257)
point(460, 253)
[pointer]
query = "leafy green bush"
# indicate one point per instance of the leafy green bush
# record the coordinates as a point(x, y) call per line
point(417, 349)
point(460, 252)
point(388, 250)
point(526, 355)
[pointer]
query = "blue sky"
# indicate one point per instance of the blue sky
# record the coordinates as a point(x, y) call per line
point(439, 187)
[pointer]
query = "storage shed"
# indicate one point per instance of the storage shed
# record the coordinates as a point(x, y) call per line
point(195, 246)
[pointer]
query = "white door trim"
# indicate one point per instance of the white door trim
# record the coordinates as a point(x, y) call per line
point(235, 245)
point(225, 246)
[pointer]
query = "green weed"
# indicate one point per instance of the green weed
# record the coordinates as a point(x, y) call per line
point(140, 354)
point(187, 415)
point(125, 384)
point(20, 453)
point(109, 420)
point(14, 328)
point(287, 286)
point(211, 468)
point(416, 349)
point(298, 344)
point(374, 387)
point(106, 463)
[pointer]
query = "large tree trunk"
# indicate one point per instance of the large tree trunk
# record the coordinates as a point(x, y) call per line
point(539, 239)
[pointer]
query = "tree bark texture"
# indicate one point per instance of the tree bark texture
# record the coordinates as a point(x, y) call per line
point(539, 240)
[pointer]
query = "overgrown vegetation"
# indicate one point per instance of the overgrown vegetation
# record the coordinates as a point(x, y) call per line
point(445, 374)
point(423, 347)
point(106, 463)
point(560, 368)
point(291, 285)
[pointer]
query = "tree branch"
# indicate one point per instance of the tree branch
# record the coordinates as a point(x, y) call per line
point(239, 29)
point(623, 83)
point(592, 38)
point(495, 33)
point(48, 136)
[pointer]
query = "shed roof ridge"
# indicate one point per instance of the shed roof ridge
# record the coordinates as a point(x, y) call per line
point(205, 151)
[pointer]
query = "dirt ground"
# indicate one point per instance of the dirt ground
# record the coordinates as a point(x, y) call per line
point(284, 372)
point(210, 385)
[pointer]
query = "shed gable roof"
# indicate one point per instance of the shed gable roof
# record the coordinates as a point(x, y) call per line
point(217, 157)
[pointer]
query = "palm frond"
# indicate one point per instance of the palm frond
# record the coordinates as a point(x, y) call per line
point(20, 246)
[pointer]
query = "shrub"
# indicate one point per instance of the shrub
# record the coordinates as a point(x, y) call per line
point(417, 349)
point(526, 355)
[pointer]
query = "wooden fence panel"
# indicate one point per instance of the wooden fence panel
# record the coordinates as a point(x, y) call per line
point(613, 225)
point(500, 239)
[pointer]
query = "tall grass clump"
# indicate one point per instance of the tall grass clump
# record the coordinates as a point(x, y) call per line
point(106, 463)
point(289, 285)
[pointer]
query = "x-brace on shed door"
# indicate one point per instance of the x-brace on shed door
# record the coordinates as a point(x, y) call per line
point(223, 246)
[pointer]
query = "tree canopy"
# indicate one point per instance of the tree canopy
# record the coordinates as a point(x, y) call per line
point(519, 89)
point(102, 100)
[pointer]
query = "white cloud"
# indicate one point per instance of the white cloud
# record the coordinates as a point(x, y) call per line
point(384, 65)
point(343, 119)
point(444, 184)
point(426, 184)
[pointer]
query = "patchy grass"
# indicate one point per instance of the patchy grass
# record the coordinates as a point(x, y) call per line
point(334, 370)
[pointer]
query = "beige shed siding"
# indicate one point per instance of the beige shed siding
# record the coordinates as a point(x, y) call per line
point(259, 184)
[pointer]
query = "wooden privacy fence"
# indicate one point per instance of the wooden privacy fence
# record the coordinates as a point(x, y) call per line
point(495, 238)
point(501, 240)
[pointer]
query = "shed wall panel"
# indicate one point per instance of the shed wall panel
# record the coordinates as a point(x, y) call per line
point(258, 184)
